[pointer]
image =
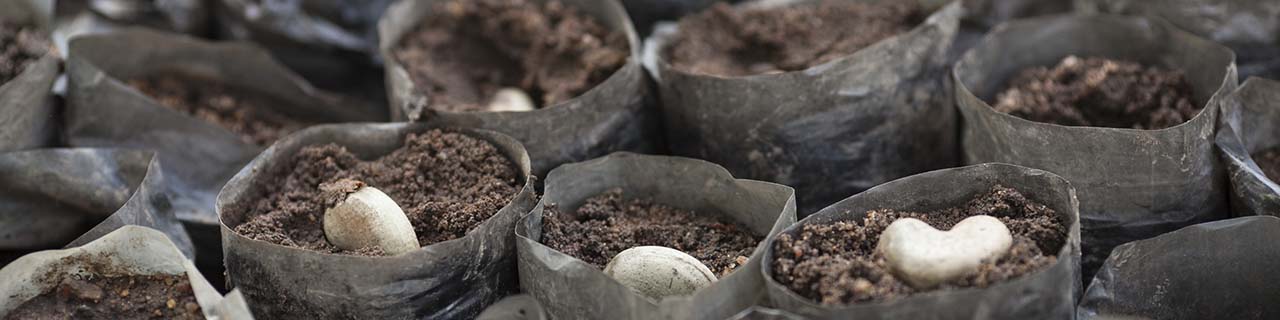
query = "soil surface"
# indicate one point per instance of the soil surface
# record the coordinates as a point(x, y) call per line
point(118, 297)
point(19, 47)
point(837, 263)
point(446, 183)
point(246, 113)
point(1099, 92)
point(728, 42)
point(469, 49)
point(608, 224)
point(1269, 161)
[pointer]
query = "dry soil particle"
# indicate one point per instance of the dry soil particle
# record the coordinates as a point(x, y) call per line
point(1099, 92)
point(114, 297)
point(837, 263)
point(1269, 161)
point(244, 112)
point(608, 224)
point(446, 183)
point(728, 42)
point(469, 49)
point(19, 47)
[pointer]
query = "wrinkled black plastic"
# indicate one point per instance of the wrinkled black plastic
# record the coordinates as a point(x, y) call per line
point(568, 288)
point(1250, 124)
point(28, 118)
point(455, 279)
point(1046, 294)
point(1216, 270)
point(617, 115)
point(1133, 184)
point(830, 131)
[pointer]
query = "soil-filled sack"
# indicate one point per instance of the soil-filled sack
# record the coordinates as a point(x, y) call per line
point(1248, 137)
point(829, 110)
point(205, 108)
point(1215, 270)
point(461, 190)
point(579, 89)
point(1123, 107)
point(28, 68)
point(834, 264)
point(130, 273)
point(51, 198)
point(1250, 28)
point(594, 210)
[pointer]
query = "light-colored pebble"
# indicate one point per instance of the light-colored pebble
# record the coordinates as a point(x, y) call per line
point(925, 257)
point(369, 218)
point(510, 99)
point(658, 272)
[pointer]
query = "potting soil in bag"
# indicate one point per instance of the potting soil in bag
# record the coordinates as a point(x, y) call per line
point(1123, 107)
point(830, 110)
point(833, 265)
point(1214, 270)
point(561, 76)
point(131, 273)
point(1249, 138)
point(593, 210)
point(28, 67)
point(50, 198)
point(1250, 28)
point(460, 191)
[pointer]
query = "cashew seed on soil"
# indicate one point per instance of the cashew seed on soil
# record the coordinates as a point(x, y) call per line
point(369, 218)
point(510, 99)
point(925, 257)
point(657, 272)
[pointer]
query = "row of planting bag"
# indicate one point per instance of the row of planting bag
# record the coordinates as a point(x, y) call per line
point(1163, 223)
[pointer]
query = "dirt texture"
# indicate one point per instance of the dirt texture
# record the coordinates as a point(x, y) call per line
point(446, 183)
point(114, 297)
point(469, 49)
point(1097, 92)
point(728, 42)
point(243, 112)
point(1269, 161)
point(19, 47)
point(607, 224)
point(837, 263)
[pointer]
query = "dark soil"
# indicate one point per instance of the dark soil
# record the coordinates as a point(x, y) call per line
point(118, 297)
point(608, 224)
point(446, 183)
point(19, 46)
point(837, 263)
point(1097, 92)
point(462, 54)
point(728, 42)
point(1269, 161)
point(244, 112)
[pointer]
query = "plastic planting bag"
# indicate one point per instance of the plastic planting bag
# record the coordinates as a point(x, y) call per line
point(569, 288)
point(129, 251)
point(1251, 124)
point(831, 130)
point(1251, 28)
point(50, 198)
point(1133, 184)
point(27, 114)
point(615, 115)
point(1049, 293)
point(454, 279)
point(1215, 270)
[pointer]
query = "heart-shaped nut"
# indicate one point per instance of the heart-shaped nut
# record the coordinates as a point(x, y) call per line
point(924, 257)
point(369, 218)
point(657, 272)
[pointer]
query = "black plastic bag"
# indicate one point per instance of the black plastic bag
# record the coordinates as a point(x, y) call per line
point(1049, 293)
point(454, 279)
point(616, 115)
point(1251, 28)
point(831, 130)
point(568, 288)
point(50, 198)
point(1133, 184)
point(1250, 124)
point(28, 118)
point(1216, 270)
